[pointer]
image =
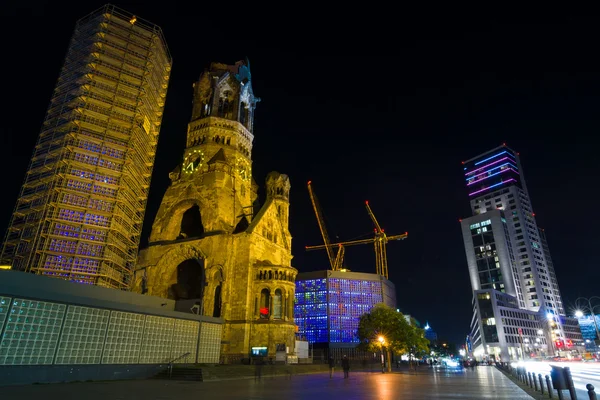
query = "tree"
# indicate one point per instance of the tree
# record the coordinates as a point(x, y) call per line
point(398, 335)
point(417, 345)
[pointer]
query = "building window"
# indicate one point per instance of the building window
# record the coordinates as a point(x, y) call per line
point(265, 300)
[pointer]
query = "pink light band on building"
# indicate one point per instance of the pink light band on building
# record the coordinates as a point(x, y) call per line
point(489, 187)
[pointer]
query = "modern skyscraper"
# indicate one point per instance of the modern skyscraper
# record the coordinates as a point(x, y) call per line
point(507, 253)
point(80, 211)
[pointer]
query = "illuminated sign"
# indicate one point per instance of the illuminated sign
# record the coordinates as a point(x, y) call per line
point(260, 351)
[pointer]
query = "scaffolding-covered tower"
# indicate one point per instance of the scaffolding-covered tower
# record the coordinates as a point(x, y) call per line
point(80, 211)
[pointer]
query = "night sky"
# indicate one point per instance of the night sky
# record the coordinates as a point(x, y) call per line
point(369, 105)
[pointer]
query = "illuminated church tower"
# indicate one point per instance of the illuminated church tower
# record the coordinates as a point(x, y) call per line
point(212, 248)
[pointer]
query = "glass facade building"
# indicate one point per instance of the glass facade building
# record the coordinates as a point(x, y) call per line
point(587, 324)
point(81, 207)
point(495, 182)
point(508, 255)
point(329, 303)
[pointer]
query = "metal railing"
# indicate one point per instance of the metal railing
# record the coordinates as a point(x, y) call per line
point(170, 365)
point(560, 377)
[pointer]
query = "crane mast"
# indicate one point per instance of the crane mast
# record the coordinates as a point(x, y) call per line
point(380, 242)
point(335, 260)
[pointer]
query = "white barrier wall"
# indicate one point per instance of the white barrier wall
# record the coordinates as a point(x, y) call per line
point(38, 332)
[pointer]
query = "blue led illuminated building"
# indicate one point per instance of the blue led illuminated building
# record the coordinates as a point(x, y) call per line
point(588, 330)
point(329, 304)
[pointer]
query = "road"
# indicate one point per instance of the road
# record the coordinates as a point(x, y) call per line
point(582, 372)
point(459, 384)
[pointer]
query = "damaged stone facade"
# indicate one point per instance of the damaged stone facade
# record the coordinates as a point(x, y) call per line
point(212, 248)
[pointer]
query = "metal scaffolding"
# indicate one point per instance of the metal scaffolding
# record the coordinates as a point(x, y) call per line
point(81, 208)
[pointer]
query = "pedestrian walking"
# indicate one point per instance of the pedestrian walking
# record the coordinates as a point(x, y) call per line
point(331, 366)
point(258, 365)
point(345, 366)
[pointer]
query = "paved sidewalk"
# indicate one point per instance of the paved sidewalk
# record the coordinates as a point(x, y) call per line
point(481, 383)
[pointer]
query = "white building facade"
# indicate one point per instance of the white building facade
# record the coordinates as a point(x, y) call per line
point(507, 254)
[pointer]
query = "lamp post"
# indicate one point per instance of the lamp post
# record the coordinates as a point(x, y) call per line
point(551, 336)
point(590, 308)
point(382, 342)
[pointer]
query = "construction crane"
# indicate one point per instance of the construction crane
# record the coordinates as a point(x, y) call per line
point(335, 259)
point(380, 241)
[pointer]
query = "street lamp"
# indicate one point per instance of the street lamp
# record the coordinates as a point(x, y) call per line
point(382, 342)
point(551, 338)
point(590, 308)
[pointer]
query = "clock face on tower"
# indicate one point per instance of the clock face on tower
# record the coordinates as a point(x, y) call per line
point(193, 161)
point(243, 169)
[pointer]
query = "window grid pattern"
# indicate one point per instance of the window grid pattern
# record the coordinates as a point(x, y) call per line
point(310, 310)
point(185, 340)
point(83, 336)
point(158, 337)
point(348, 300)
point(123, 340)
point(210, 343)
point(31, 332)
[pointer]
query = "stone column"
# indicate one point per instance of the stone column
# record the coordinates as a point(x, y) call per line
point(271, 293)
point(257, 307)
point(291, 308)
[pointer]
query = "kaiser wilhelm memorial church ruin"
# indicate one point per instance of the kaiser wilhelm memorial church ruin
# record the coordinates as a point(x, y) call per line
point(212, 248)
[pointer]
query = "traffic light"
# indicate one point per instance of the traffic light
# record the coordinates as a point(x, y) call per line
point(569, 343)
point(559, 344)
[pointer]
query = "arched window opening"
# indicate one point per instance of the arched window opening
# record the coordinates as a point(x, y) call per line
point(243, 113)
point(226, 108)
point(265, 304)
point(277, 304)
point(190, 281)
point(217, 302)
point(246, 113)
point(191, 224)
point(220, 111)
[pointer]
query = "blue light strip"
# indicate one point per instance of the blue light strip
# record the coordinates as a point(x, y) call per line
point(494, 156)
point(494, 174)
point(491, 169)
